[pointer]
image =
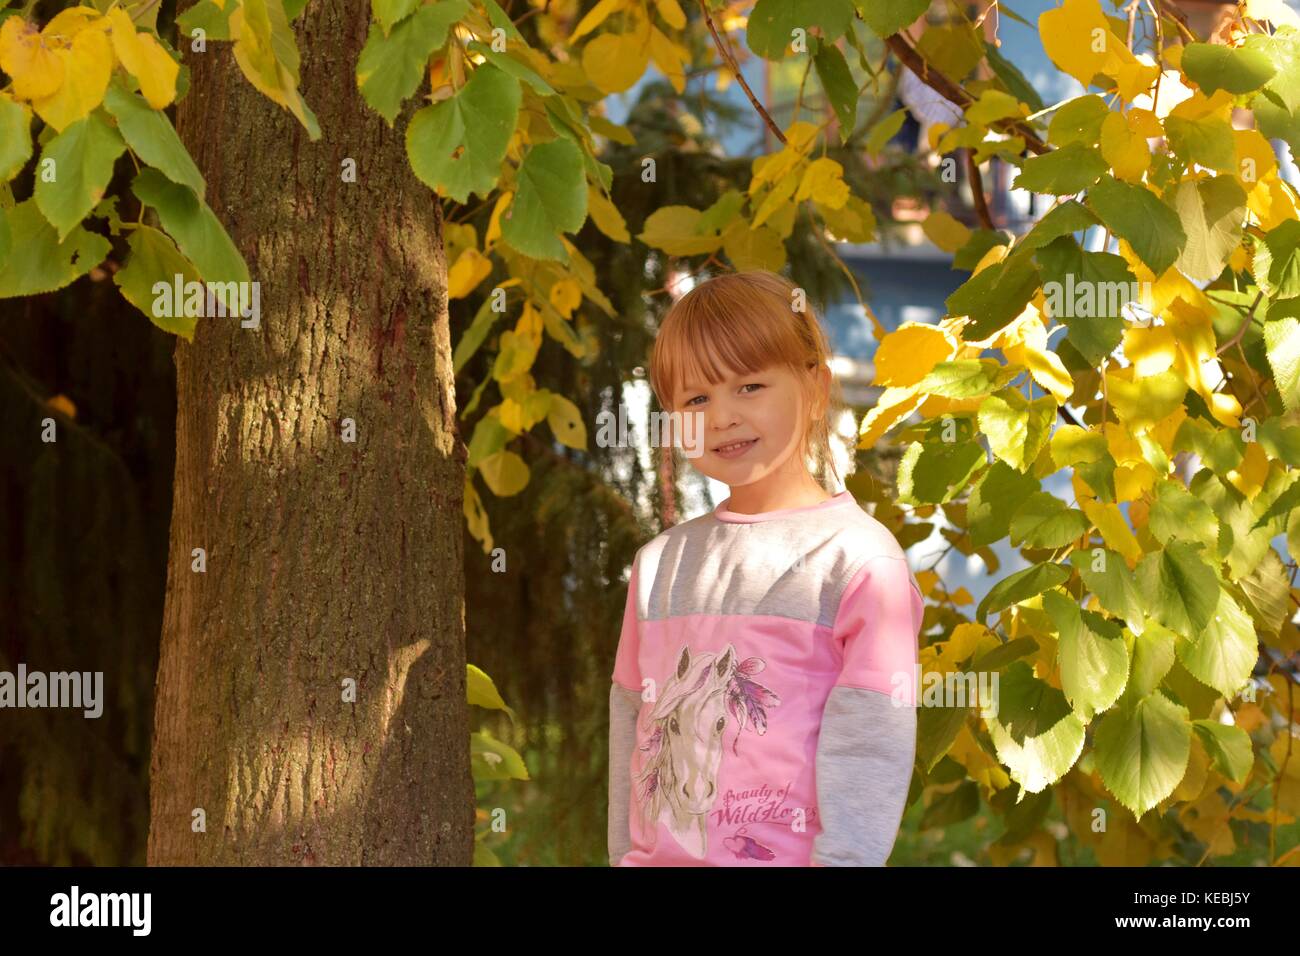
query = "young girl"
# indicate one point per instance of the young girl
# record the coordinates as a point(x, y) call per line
point(762, 706)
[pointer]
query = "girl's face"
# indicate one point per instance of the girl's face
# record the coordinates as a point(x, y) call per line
point(747, 427)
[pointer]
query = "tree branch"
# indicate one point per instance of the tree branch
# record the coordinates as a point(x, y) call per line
point(953, 92)
point(735, 70)
point(977, 190)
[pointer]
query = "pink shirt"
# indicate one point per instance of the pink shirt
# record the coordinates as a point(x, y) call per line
point(770, 660)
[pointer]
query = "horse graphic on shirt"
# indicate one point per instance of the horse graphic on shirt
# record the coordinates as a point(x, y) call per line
point(678, 781)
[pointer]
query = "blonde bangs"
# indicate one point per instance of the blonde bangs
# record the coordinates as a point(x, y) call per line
point(739, 322)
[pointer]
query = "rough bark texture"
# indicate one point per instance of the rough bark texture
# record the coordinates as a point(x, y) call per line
point(326, 560)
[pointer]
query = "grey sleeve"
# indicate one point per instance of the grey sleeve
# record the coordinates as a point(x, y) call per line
point(624, 705)
point(865, 755)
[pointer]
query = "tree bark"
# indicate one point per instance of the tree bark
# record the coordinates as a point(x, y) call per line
point(325, 560)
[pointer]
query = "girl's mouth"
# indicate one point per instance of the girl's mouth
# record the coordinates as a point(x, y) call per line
point(735, 449)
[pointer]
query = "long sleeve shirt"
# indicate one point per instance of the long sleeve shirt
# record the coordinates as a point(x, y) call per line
point(762, 704)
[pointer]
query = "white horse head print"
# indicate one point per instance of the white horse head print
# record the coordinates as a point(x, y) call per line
point(678, 783)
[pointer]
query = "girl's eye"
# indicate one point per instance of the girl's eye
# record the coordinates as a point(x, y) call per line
point(754, 385)
point(692, 401)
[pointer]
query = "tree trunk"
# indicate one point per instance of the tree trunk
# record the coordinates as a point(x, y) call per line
point(326, 560)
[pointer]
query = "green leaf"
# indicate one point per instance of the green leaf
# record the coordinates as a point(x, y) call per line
point(1091, 652)
point(994, 500)
point(1067, 272)
point(551, 199)
point(840, 87)
point(1137, 215)
point(884, 131)
point(934, 472)
point(1153, 656)
point(1035, 733)
point(1277, 261)
point(1078, 121)
point(1216, 67)
point(6, 239)
point(1213, 215)
point(1207, 141)
point(1223, 652)
point(1020, 586)
point(1178, 514)
point(1017, 428)
point(154, 259)
point(1065, 219)
point(993, 297)
point(887, 17)
point(1228, 746)
point(1282, 339)
point(964, 378)
point(456, 146)
point(1180, 587)
point(151, 137)
point(474, 336)
point(515, 68)
point(1142, 750)
point(198, 232)
point(15, 137)
point(389, 12)
point(1105, 574)
point(1268, 592)
point(208, 17)
point(501, 20)
point(1010, 76)
point(1044, 521)
point(1063, 171)
point(81, 160)
point(771, 24)
point(390, 67)
point(489, 437)
point(492, 759)
point(38, 261)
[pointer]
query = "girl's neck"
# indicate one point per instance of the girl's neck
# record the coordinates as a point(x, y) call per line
point(776, 493)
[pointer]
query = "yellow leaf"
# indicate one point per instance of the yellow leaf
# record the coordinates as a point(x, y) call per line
point(668, 57)
point(823, 180)
point(476, 518)
point(470, 268)
point(1077, 38)
point(1114, 529)
point(1151, 350)
point(945, 231)
point(1133, 76)
point(893, 405)
point(36, 70)
point(910, 352)
point(87, 68)
point(615, 61)
point(780, 196)
point(595, 17)
point(672, 229)
point(61, 403)
point(566, 295)
point(494, 223)
point(566, 423)
point(1249, 476)
point(144, 59)
point(1124, 147)
point(672, 13)
point(927, 580)
point(606, 215)
point(505, 473)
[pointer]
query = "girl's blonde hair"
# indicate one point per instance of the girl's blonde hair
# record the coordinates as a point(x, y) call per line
point(747, 321)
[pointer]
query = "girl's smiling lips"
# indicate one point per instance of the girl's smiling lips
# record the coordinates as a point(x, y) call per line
point(735, 448)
